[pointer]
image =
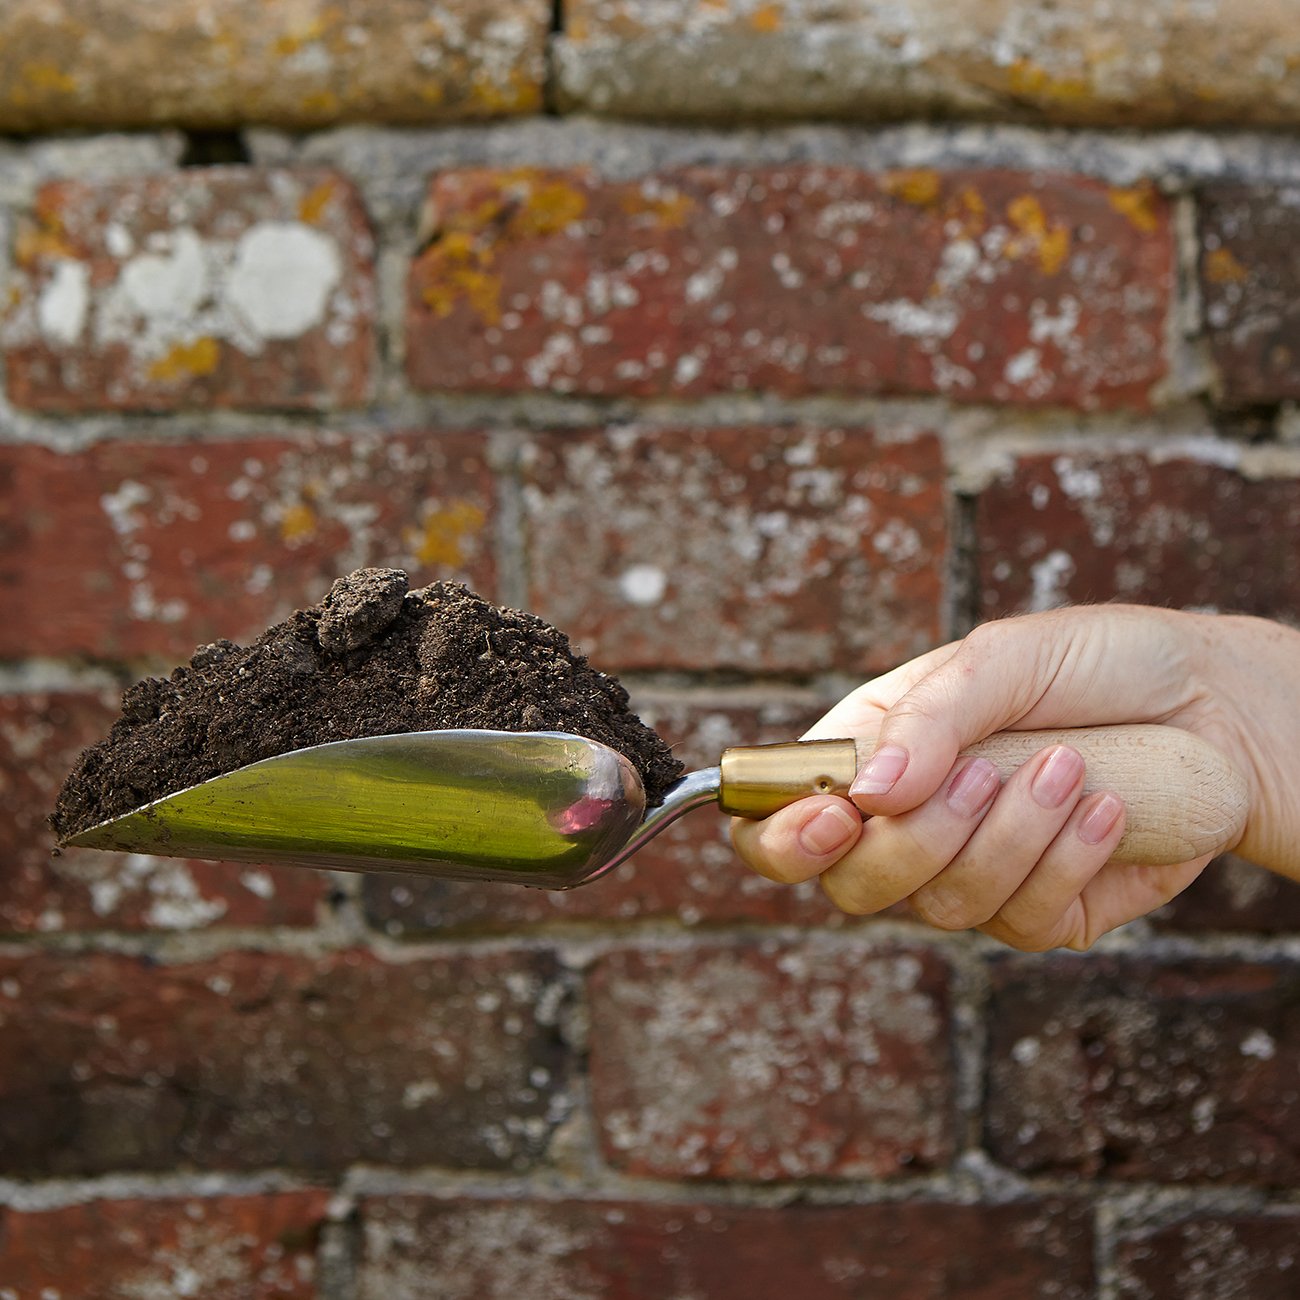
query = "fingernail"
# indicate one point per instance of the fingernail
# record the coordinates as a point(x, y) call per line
point(881, 773)
point(829, 830)
point(973, 787)
point(1056, 778)
point(1100, 819)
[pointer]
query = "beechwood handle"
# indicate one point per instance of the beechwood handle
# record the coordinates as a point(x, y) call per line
point(1183, 797)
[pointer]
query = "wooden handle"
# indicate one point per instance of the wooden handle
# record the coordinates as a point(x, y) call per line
point(1184, 799)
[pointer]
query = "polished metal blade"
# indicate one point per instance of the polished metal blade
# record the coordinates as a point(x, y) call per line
point(546, 809)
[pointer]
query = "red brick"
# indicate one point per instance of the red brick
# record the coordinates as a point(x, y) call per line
point(772, 1062)
point(1132, 1070)
point(771, 549)
point(1212, 1257)
point(255, 1060)
point(132, 549)
point(221, 1248)
point(638, 1251)
point(194, 289)
point(980, 285)
point(688, 873)
point(40, 737)
point(1087, 526)
point(1234, 895)
point(1250, 282)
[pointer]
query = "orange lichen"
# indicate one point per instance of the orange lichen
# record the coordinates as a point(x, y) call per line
point(49, 76)
point(321, 103)
point(767, 18)
point(518, 93)
point(313, 205)
point(297, 523)
point(1140, 204)
point(441, 536)
point(667, 211)
point(921, 186)
point(1031, 80)
point(455, 267)
point(187, 361)
point(1222, 267)
point(1051, 244)
point(45, 238)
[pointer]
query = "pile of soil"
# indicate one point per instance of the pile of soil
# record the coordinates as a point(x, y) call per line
point(373, 658)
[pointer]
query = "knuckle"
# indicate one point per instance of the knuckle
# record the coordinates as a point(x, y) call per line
point(943, 911)
point(845, 892)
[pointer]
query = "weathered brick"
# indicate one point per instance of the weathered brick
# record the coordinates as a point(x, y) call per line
point(981, 285)
point(41, 735)
point(225, 287)
point(1089, 526)
point(688, 873)
point(768, 1062)
point(1165, 63)
point(579, 1250)
point(259, 1247)
point(777, 549)
point(129, 549)
point(1234, 895)
point(1134, 1070)
point(252, 1060)
point(131, 63)
point(1250, 281)
point(1221, 1256)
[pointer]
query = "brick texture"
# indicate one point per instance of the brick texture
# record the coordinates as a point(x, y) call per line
point(762, 1062)
point(132, 63)
point(688, 873)
point(580, 1250)
point(1133, 1070)
point(40, 737)
point(778, 549)
point(1088, 526)
point(1250, 282)
point(223, 287)
point(1212, 1257)
point(1233, 895)
point(984, 286)
point(132, 549)
point(252, 1060)
point(1089, 62)
point(221, 1248)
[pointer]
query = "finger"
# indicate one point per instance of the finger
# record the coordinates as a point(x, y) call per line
point(897, 855)
point(1046, 911)
point(1021, 826)
point(800, 841)
point(1122, 892)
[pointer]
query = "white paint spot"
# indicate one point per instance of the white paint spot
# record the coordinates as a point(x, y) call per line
point(1026, 1051)
point(171, 285)
point(258, 882)
point(1050, 575)
point(118, 241)
point(283, 275)
point(64, 303)
point(1259, 1045)
point(1078, 482)
point(1023, 367)
point(643, 584)
point(913, 320)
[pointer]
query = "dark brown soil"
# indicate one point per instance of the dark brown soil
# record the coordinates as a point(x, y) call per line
point(371, 659)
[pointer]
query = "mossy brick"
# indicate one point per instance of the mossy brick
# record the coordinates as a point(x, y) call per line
point(583, 1249)
point(41, 734)
point(980, 285)
point(1131, 1070)
point(221, 287)
point(255, 1060)
point(1250, 285)
point(1089, 63)
point(766, 549)
point(256, 1246)
point(1155, 528)
point(1211, 1256)
point(129, 549)
point(98, 64)
point(759, 1062)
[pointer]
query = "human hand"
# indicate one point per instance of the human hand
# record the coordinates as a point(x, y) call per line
point(1029, 863)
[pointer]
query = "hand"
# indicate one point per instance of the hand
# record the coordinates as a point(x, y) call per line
point(1028, 863)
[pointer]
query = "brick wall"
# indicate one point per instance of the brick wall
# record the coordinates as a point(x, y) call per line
point(660, 324)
